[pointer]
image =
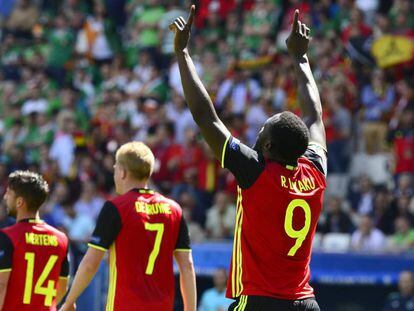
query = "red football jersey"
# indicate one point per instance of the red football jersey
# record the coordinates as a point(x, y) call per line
point(404, 152)
point(36, 254)
point(277, 212)
point(142, 229)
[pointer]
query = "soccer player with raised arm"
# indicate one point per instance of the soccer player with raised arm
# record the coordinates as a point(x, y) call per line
point(143, 231)
point(34, 265)
point(281, 181)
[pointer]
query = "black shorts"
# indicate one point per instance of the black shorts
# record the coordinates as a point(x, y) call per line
point(261, 303)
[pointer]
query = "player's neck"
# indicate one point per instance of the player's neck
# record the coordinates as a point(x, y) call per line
point(133, 184)
point(27, 215)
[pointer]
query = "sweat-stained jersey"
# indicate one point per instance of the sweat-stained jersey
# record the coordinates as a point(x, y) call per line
point(36, 255)
point(277, 212)
point(141, 229)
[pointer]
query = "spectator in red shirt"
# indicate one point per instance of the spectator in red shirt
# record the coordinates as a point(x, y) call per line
point(356, 27)
point(402, 140)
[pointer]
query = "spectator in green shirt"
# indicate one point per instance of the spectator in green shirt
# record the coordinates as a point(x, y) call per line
point(147, 22)
point(403, 238)
point(60, 40)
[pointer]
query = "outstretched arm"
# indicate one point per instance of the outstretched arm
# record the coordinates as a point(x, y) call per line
point(310, 101)
point(86, 271)
point(213, 130)
point(184, 260)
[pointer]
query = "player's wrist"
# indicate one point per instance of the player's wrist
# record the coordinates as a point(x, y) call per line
point(181, 52)
point(300, 58)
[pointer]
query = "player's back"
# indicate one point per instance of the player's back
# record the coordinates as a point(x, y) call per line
point(277, 212)
point(38, 253)
point(141, 257)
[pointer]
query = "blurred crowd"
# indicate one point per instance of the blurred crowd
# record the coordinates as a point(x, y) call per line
point(79, 78)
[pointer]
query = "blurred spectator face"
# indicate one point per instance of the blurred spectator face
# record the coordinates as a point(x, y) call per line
point(335, 205)
point(186, 213)
point(66, 121)
point(3, 171)
point(60, 22)
point(17, 126)
point(86, 163)
point(69, 125)
point(3, 211)
point(365, 225)
point(402, 225)
point(220, 279)
point(221, 201)
point(213, 19)
point(407, 118)
point(186, 201)
point(365, 184)
point(152, 2)
point(403, 203)
point(356, 16)
point(26, 73)
point(190, 176)
point(99, 9)
point(69, 210)
point(405, 5)
point(238, 75)
point(88, 189)
point(72, 3)
point(401, 21)
point(32, 118)
point(17, 155)
point(209, 58)
point(378, 79)
point(35, 92)
point(41, 119)
point(61, 192)
point(24, 3)
point(268, 78)
point(144, 58)
point(232, 22)
point(190, 135)
point(406, 283)
point(108, 162)
point(381, 201)
point(405, 182)
point(162, 133)
point(178, 101)
point(383, 22)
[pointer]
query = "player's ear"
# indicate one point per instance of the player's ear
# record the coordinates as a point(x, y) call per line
point(267, 146)
point(19, 202)
point(124, 173)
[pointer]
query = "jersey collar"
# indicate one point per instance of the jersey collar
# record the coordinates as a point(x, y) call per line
point(144, 190)
point(32, 221)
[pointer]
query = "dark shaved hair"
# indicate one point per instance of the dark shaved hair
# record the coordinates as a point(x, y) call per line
point(30, 186)
point(289, 137)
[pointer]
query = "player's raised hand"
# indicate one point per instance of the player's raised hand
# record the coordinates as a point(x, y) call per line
point(298, 40)
point(182, 30)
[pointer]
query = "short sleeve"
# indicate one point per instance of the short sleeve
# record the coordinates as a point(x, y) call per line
point(245, 163)
point(64, 270)
point(183, 240)
point(107, 227)
point(318, 156)
point(6, 252)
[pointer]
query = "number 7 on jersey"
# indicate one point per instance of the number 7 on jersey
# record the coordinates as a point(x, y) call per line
point(159, 228)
